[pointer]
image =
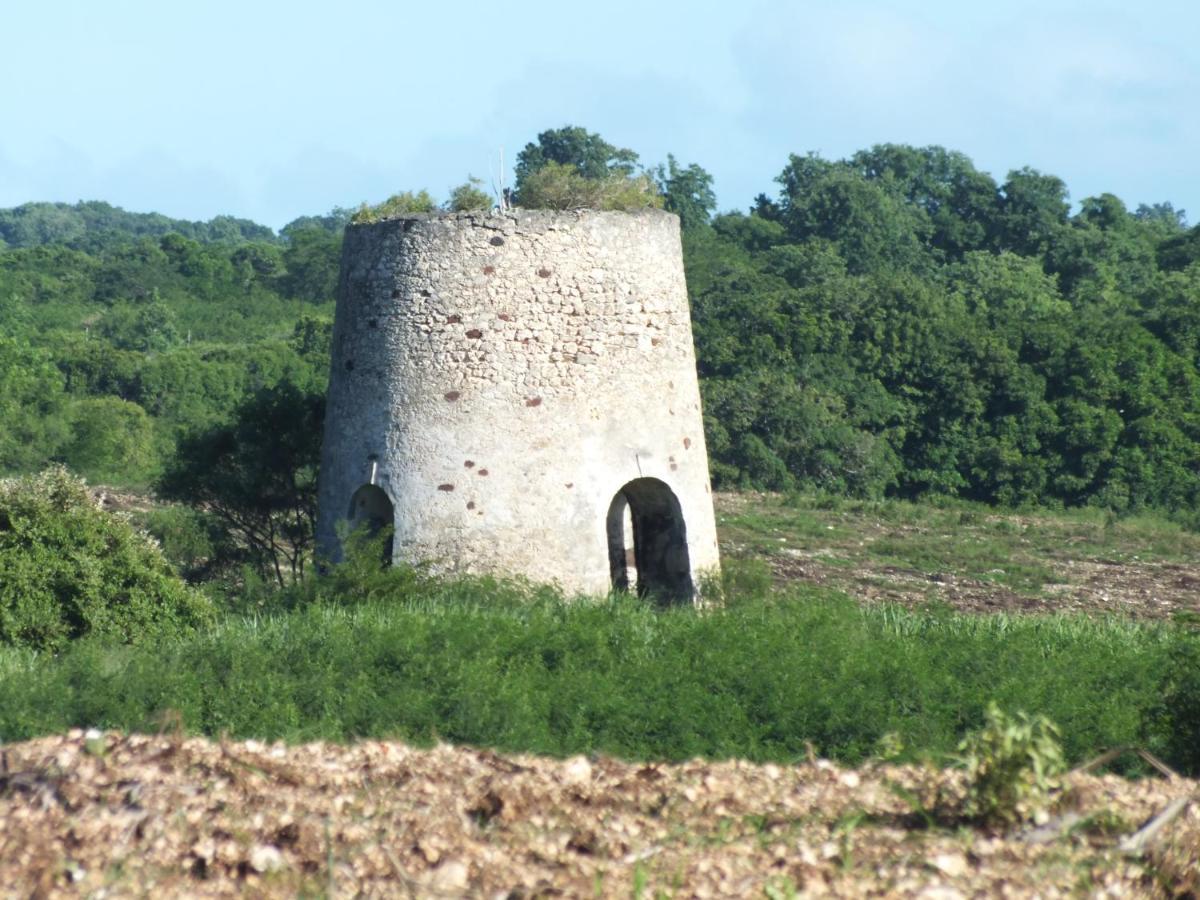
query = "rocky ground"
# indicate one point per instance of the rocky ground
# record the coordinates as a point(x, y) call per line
point(105, 815)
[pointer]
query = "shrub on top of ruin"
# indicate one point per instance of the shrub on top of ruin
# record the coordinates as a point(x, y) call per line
point(401, 204)
point(469, 196)
point(70, 569)
point(559, 186)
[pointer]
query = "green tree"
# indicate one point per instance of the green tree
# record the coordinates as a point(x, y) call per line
point(32, 408)
point(868, 220)
point(311, 260)
point(960, 201)
point(258, 476)
point(687, 192)
point(333, 222)
point(587, 153)
point(148, 327)
point(1033, 212)
point(112, 441)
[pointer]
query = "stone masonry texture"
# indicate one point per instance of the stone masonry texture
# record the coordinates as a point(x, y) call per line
point(501, 377)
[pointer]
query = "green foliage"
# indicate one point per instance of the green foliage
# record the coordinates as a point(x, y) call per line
point(587, 154)
point(896, 322)
point(1013, 764)
point(311, 261)
point(374, 652)
point(144, 327)
point(112, 441)
point(32, 407)
point(257, 475)
point(571, 168)
point(1177, 723)
point(68, 570)
point(191, 539)
point(469, 196)
point(402, 204)
point(90, 224)
point(560, 186)
point(687, 192)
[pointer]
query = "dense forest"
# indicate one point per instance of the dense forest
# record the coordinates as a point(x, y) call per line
point(894, 323)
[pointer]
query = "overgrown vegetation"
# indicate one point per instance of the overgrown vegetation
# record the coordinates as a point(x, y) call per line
point(69, 570)
point(396, 653)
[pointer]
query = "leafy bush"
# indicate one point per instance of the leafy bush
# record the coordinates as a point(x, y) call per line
point(69, 569)
point(1012, 766)
point(469, 196)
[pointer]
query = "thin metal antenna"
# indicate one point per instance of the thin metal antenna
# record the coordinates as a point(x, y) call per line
point(503, 193)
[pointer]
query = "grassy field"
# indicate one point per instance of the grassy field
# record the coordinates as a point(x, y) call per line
point(793, 662)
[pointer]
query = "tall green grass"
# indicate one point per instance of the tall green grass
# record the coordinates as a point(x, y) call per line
point(498, 664)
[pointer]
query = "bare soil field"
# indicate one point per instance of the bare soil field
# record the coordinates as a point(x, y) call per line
point(105, 815)
point(971, 559)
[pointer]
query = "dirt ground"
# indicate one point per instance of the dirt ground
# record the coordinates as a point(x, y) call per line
point(105, 815)
point(1081, 571)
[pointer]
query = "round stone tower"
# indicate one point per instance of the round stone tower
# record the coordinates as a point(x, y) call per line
point(516, 394)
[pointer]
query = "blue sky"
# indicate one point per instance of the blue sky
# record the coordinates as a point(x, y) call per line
point(272, 110)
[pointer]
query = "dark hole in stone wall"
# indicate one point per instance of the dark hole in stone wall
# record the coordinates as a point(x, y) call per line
point(647, 542)
point(373, 516)
point(496, 241)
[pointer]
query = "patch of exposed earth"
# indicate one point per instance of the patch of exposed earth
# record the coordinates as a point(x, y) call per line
point(112, 816)
point(1082, 578)
point(1095, 587)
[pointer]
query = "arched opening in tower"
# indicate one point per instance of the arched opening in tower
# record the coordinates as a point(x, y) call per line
point(372, 515)
point(647, 542)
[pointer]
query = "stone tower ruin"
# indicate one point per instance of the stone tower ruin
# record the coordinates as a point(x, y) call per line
point(516, 393)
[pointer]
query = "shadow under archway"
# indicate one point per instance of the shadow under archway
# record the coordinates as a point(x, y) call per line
point(371, 512)
point(647, 542)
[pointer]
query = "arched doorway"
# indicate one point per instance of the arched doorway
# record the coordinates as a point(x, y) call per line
point(371, 511)
point(647, 542)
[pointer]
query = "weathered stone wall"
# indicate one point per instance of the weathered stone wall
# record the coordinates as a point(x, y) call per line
point(501, 377)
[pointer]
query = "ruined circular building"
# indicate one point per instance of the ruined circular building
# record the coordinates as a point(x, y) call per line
point(516, 393)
